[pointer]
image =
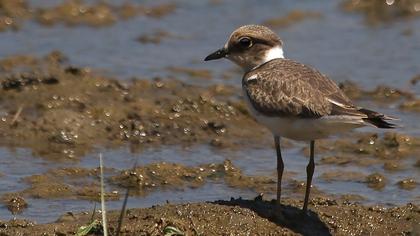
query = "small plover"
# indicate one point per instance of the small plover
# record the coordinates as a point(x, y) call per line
point(291, 99)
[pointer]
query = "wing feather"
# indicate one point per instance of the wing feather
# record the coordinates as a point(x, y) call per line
point(283, 87)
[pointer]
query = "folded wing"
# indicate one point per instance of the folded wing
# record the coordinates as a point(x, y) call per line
point(287, 88)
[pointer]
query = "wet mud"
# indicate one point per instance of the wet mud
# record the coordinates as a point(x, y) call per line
point(83, 183)
point(291, 18)
point(387, 148)
point(192, 73)
point(411, 105)
point(15, 204)
point(363, 150)
point(155, 37)
point(13, 13)
point(60, 111)
point(379, 11)
point(380, 94)
point(64, 183)
point(77, 12)
point(164, 175)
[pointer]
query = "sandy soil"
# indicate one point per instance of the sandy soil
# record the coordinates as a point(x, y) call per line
point(242, 217)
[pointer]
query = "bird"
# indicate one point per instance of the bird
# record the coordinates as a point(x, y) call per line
point(291, 99)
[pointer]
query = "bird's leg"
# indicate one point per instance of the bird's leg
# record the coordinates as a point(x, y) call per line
point(280, 167)
point(309, 172)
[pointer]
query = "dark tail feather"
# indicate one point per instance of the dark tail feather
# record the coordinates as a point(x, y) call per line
point(377, 119)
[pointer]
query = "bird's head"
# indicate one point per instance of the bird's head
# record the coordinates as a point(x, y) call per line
point(250, 46)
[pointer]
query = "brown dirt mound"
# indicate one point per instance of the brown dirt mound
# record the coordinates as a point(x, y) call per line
point(242, 217)
point(60, 111)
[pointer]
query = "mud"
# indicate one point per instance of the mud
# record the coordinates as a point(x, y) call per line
point(242, 217)
point(293, 17)
point(164, 175)
point(177, 177)
point(381, 12)
point(64, 183)
point(192, 73)
point(417, 163)
point(60, 111)
point(299, 186)
point(12, 14)
point(379, 94)
point(385, 147)
point(70, 110)
point(415, 79)
point(407, 184)
point(155, 37)
point(392, 165)
point(76, 12)
point(406, 100)
point(411, 105)
point(343, 176)
point(392, 145)
point(376, 181)
point(389, 150)
point(83, 184)
point(15, 204)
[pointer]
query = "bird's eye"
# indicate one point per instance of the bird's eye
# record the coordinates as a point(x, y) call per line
point(245, 42)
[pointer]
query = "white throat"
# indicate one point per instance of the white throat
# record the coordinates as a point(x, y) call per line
point(274, 53)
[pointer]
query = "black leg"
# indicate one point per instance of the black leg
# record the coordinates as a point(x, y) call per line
point(309, 173)
point(280, 167)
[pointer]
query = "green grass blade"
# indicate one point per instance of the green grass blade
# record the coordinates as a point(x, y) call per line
point(104, 222)
point(85, 230)
point(172, 231)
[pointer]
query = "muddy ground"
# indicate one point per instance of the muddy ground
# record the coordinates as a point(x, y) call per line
point(241, 217)
point(14, 13)
point(70, 110)
point(376, 12)
point(62, 112)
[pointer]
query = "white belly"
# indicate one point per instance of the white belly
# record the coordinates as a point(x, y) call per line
point(305, 128)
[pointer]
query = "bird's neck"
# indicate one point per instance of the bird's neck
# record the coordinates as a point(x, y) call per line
point(271, 54)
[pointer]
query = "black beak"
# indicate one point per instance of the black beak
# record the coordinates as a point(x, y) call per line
point(221, 53)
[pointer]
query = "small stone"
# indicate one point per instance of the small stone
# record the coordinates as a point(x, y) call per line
point(392, 165)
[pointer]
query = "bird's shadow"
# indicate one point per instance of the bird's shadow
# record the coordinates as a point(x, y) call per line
point(285, 216)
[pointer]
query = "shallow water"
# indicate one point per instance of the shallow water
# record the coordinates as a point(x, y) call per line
point(338, 44)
